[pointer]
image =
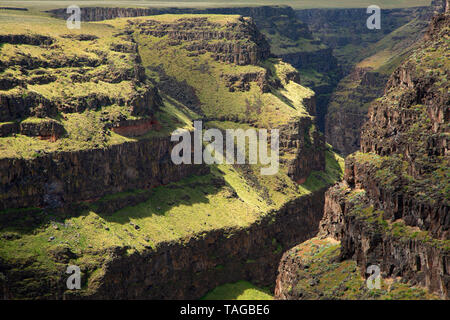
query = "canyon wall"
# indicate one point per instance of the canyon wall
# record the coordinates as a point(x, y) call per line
point(368, 57)
point(66, 177)
point(120, 209)
point(392, 208)
point(347, 109)
point(289, 38)
point(186, 268)
point(191, 269)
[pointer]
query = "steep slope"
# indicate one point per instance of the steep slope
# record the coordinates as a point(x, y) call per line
point(392, 210)
point(137, 225)
point(289, 39)
point(346, 32)
point(348, 107)
point(349, 104)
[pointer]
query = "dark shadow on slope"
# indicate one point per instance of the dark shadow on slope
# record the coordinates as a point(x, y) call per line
point(117, 207)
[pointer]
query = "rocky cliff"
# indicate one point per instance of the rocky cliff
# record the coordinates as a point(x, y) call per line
point(347, 109)
point(103, 193)
point(64, 178)
point(289, 39)
point(368, 58)
point(345, 30)
point(185, 269)
point(392, 209)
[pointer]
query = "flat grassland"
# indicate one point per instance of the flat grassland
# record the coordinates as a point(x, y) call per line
point(299, 4)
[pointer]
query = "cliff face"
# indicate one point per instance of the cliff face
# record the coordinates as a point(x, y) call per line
point(240, 43)
point(29, 72)
point(314, 270)
point(347, 110)
point(187, 269)
point(345, 31)
point(288, 37)
point(348, 106)
point(191, 269)
point(64, 178)
point(392, 209)
point(101, 192)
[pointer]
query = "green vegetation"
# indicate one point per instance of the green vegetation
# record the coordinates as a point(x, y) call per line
point(96, 80)
point(241, 290)
point(321, 275)
point(93, 88)
point(205, 76)
point(305, 4)
point(87, 80)
point(366, 213)
point(225, 199)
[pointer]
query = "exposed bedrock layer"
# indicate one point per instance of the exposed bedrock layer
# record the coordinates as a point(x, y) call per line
point(240, 43)
point(345, 30)
point(270, 20)
point(405, 145)
point(392, 208)
point(289, 38)
point(376, 53)
point(18, 101)
point(347, 109)
point(187, 268)
point(398, 250)
point(306, 144)
point(191, 269)
point(65, 177)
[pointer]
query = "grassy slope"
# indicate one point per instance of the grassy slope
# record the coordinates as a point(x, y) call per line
point(279, 106)
point(176, 212)
point(383, 57)
point(84, 130)
point(336, 279)
point(203, 74)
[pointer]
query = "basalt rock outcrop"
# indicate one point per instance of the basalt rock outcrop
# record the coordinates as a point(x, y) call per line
point(178, 271)
point(345, 30)
point(106, 195)
point(22, 96)
point(307, 146)
point(288, 37)
point(191, 268)
point(347, 109)
point(239, 43)
point(65, 177)
point(392, 208)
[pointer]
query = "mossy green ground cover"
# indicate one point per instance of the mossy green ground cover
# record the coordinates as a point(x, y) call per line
point(77, 70)
point(86, 129)
point(177, 212)
point(205, 76)
point(241, 290)
point(335, 279)
point(230, 198)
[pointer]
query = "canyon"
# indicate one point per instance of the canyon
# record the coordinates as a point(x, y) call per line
point(391, 209)
point(105, 195)
point(87, 178)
